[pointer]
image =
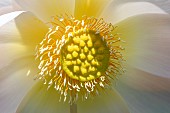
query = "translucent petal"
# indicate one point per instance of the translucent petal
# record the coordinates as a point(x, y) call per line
point(8, 17)
point(6, 9)
point(140, 101)
point(90, 7)
point(9, 33)
point(147, 42)
point(14, 85)
point(6, 6)
point(9, 6)
point(5, 3)
point(45, 9)
point(118, 10)
point(41, 100)
point(16, 6)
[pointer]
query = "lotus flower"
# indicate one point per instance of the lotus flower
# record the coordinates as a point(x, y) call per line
point(81, 58)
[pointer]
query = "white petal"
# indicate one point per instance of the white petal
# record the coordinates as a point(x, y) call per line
point(13, 86)
point(140, 101)
point(147, 42)
point(45, 9)
point(164, 4)
point(8, 17)
point(41, 100)
point(118, 11)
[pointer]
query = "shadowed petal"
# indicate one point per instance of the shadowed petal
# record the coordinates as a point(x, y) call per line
point(147, 42)
point(45, 9)
point(144, 81)
point(117, 11)
point(111, 102)
point(41, 100)
point(140, 101)
point(90, 7)
point(6, 9)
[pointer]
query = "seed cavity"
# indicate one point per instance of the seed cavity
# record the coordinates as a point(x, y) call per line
point(85, 56)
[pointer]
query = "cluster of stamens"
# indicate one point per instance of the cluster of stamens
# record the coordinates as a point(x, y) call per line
point(79, 57)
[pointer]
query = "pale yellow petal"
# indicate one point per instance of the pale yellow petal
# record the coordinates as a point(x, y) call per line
point(41, 100)
point(24, 29)
point(90, 7)
point(31, 29)
point(118, 11)
point(45, 9)
point(11, 52)
point(147, 42)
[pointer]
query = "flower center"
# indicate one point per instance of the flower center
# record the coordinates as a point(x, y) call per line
point(85, 56)
point(79, 57)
